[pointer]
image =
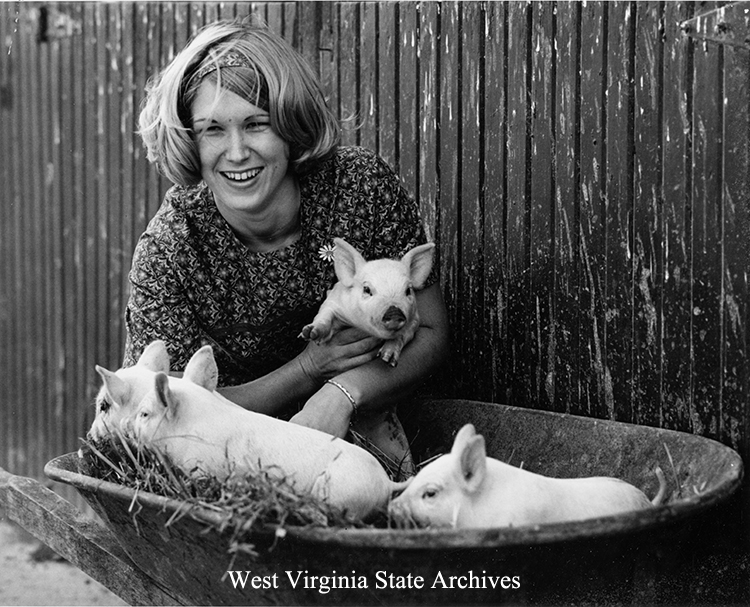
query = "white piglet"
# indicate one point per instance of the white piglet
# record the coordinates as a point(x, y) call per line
point(376, 296)
point(467, 489)
point(203, 435)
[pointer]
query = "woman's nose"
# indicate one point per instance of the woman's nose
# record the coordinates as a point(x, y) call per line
point(238, 148)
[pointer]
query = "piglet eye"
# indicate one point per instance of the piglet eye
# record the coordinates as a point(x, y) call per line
point(409, 291)
point(366, 290)
point(104, 406)
point(429, 493)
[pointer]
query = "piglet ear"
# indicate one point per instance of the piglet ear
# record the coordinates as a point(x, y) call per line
point(164, 395)
point(202, 369)
point(155, 357)
point(471, 458)
point(346, 261)
point(418, 262)
point(113, 385)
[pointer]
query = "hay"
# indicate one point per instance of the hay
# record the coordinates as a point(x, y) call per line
point(245, 503)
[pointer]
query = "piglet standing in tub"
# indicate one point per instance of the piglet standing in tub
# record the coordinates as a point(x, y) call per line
point(376, 296)
point(467, 489)
point(203, 434)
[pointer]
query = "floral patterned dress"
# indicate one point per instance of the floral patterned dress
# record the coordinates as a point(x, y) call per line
point(194, 283)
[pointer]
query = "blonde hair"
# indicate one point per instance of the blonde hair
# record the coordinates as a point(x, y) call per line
point(275, 74)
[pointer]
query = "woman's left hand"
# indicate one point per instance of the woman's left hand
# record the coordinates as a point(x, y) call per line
point(328, 410)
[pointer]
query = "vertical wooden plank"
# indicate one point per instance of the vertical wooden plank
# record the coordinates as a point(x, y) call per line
point(619, 199)
point(26, 202)
point(118, 217)
point(567, 228)
point(407, 77)
point(470, 167)
point(677, 313)
point(6, 105)
point(736, 248)
point(57, 200)
point(83, 223)
point(14, 192)
point(496, 167)
point(448, 153)
point(306, 36)
point(328, 53)
point(98, 39)
point(347, 51)
point(369, 91)
point(595, 384)
point(427, 101)
point(518, 196)
point(94, 288)
point(708, 311)
point(273, 14)
point(49, 222)
point(156, 61)
point(290, 20)
point(648, 215)
point(69, 240)
point(387, 100)
point(121, 248)
point(542, 219)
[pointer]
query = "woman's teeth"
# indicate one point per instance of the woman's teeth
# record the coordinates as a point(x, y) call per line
point(243, 176)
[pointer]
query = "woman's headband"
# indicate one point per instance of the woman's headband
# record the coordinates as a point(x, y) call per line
point(213, 63)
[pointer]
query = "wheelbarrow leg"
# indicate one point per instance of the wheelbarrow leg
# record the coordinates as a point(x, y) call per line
point(85, 543)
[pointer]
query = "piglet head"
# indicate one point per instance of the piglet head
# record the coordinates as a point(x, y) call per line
point(162, 408)
point(439, 493)
point(122, 390)
point(383, 290)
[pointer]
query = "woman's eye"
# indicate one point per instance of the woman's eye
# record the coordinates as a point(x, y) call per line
point(257, 125)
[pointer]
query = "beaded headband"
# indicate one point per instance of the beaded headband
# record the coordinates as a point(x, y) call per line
point(213, 63)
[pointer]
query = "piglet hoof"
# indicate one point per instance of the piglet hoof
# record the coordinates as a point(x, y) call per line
point(308, 332)
point(389, 355)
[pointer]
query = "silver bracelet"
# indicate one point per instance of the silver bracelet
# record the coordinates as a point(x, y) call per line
point(346, 393)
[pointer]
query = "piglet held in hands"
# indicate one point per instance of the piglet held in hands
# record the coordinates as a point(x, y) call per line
point(376, 296)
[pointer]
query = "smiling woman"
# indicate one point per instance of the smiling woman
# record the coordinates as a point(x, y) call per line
point(233, 258)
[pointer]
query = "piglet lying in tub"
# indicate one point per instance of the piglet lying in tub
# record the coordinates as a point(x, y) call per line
point(376, 296)
point(123, 390)
point(202, 434)
point(465, 489)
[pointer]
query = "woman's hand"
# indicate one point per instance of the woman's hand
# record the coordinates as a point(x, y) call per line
point(347, 349)
point(328, 410)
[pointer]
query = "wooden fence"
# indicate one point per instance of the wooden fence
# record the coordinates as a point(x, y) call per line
point(583, 167)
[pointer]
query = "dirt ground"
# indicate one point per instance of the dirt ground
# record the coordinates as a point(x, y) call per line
point(32, 574)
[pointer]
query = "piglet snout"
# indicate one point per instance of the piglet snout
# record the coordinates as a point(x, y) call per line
point(394, 318)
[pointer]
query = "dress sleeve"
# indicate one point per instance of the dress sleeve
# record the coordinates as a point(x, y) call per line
point(158, 306)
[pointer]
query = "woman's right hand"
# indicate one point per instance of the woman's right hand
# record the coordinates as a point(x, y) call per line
point(347, 349)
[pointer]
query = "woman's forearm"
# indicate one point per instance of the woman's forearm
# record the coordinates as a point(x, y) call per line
point(274, 393)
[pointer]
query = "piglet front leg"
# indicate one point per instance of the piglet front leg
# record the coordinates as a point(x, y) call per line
point(322, 328)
